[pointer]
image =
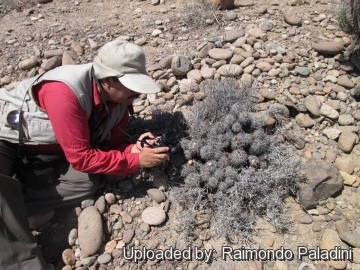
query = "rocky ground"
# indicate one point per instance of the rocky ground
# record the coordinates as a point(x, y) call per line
point(297, 56)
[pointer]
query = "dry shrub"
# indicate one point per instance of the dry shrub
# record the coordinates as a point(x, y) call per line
point(8, 5)
point(238, 171)
point(196, 14)
point(228, 172)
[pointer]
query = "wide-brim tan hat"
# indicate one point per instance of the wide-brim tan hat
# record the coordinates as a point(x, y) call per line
point(126, 61)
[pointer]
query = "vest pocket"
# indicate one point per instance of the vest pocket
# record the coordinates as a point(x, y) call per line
point(41, 131)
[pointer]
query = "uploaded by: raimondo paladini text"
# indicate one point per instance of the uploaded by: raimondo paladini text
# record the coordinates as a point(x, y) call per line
point(238, 254)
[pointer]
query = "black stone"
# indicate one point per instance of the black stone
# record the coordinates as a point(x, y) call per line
point(357, 93)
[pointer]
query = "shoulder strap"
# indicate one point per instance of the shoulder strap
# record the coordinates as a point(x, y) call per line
point(131, 111)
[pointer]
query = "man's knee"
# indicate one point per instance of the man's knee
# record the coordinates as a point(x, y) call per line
point(93, 183)
point(80, 181)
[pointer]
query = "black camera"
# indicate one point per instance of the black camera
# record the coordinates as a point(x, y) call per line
point(167, 139)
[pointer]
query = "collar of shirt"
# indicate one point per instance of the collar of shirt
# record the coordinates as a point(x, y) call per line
point(99, 105)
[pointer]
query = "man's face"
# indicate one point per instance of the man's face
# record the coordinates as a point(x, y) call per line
point(118, 93)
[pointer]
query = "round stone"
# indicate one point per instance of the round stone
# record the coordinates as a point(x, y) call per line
point(156, 195)
point(304, 120)
point(329, 112)
point(90, 231)
point(304, 71)
point(72, 236)
point(153, 216)
point(220, 54)
point(230, 70)
point(233, 34)
point(230, 16)
point(145, 227)
point(28, 63)
point(104, 258)
point(128, 236)
point(329, 47)
point(207, 72)
point(316, 227)
point(263, 66)
point(110, 198)
point(347, 141)
point(345, 120)
point(118, 225)
point(312, 105)
point(345, 164)
point(68, 257)
point(292, 18)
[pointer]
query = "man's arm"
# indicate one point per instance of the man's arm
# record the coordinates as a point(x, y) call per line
point(70, 125)
point(117, 137)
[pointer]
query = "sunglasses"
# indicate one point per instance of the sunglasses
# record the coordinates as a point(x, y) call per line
point(14, 120)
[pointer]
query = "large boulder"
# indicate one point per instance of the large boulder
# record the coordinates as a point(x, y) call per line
point(90, 231)
point(323, 181)
point(329, 47)
point(180, 65)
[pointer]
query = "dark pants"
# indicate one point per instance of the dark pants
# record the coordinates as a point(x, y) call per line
point(18, 247)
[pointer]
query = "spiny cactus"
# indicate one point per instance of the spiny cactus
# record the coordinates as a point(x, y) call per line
point(223, 161)
point(241, 141)
point(187, 170)
point(244, 119)
point(206, 152)
point(192, 180)
point(254, 161)
point(229, 120)
point(236, 127)
point(260, 143)
point(219, 174)
point(238, 158)
point(223, 186)
point(194, 146)
point(213, 182)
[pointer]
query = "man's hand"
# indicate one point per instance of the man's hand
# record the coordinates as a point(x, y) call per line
point(150, 157)
point(150, 141)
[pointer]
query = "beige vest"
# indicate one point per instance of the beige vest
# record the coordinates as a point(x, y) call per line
point(37, 126)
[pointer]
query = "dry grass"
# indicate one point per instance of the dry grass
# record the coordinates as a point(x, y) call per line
point(198, 14)
point(8, 5)
point(349, 18)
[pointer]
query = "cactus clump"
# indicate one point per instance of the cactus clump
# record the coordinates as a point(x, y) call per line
point(234, 168)
point(249, 174)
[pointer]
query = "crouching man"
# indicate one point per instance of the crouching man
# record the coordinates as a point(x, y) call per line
point(76, 117)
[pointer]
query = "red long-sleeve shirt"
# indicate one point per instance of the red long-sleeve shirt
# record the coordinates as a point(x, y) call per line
point(71, 127)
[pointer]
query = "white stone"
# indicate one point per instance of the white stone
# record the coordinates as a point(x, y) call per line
point(328, 111)
point(153, 216)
